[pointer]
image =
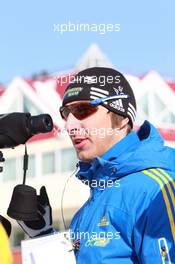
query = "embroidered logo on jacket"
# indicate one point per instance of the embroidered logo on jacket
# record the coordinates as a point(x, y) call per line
point(103, 222)
point(97, 241)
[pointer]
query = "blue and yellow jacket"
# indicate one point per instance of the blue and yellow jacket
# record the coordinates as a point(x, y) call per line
point(130, 215)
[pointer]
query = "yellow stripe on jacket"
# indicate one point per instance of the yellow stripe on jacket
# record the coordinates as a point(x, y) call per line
point(162, 181)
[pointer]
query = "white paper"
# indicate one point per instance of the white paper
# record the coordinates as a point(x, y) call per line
point(52, 249)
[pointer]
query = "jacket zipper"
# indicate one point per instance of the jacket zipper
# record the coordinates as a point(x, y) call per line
point(81, 219)
point(164, 252)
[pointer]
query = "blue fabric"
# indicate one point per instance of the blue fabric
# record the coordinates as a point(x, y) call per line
point(130, 214)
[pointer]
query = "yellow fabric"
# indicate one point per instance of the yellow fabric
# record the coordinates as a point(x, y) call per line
point(162, 181)
point(5, 254)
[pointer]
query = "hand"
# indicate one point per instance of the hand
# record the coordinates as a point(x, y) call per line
point(43, 225)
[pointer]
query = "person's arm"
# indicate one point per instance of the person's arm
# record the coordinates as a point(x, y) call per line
point(154, 231)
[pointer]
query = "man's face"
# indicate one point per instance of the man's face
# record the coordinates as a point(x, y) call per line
point(93, 135)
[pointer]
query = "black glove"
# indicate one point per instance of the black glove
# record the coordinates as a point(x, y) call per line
point(43, 225)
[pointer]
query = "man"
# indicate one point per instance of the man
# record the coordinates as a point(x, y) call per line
point(131, 219)
point(130, 214)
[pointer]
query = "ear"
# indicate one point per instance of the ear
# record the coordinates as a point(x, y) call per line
point(124, 122)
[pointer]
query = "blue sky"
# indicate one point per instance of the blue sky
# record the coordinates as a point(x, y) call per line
point(28, 43)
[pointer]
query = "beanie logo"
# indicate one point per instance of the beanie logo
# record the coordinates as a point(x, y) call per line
point(118, 90)
point(118, 105)
point(73, 92)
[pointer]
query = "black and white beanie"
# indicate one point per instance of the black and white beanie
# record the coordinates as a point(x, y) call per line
point(99, 82)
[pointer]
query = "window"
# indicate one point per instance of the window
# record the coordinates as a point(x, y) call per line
point(68, 159)
point(48, 163)
point(31, 166)
point(9, 170)
point(13, 169)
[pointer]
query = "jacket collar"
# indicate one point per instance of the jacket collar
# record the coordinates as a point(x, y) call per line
point(105, 167)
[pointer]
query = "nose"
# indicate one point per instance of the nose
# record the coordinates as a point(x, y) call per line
point(72, 124)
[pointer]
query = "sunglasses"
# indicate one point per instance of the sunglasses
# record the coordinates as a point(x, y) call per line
point(85, 109)
point(79, 110)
